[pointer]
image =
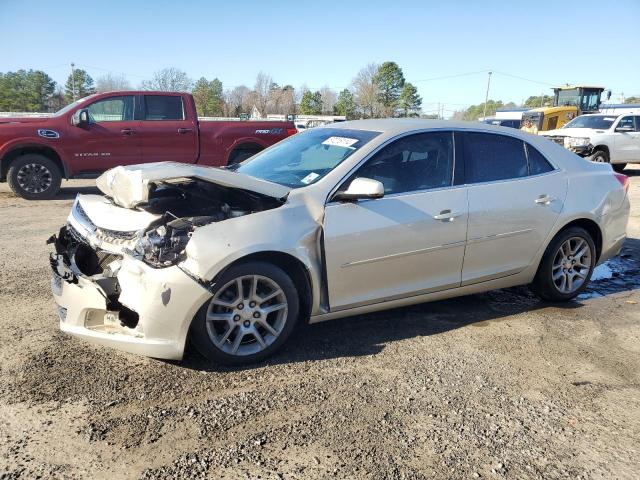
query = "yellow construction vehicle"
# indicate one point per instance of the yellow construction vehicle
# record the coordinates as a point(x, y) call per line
point(568, 102)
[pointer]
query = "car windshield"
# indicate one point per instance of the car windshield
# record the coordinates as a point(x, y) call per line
point(602, 122)
point(305, 157)
point(64, 110)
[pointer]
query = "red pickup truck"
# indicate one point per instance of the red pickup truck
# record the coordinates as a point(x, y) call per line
point(122, 128)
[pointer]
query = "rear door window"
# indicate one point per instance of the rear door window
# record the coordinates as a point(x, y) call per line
point(163, 107)
point(490, 157)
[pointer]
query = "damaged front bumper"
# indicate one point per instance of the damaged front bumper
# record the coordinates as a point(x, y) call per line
point(124, 303)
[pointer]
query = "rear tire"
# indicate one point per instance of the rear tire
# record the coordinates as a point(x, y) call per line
point(235, 328)
point(34, 177)
point(241, 154)
point(566, 266)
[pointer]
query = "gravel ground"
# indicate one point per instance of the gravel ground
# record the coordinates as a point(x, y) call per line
point(498, 385)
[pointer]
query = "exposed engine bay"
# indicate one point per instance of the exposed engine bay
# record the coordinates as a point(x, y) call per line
point(186, 204)
point(179, 206)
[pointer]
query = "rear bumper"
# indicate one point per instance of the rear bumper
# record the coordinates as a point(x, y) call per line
point(614, 228)
point(151, 315)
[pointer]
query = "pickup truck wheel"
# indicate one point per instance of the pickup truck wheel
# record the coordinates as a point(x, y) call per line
point(34, 177)
point(241, 154)
point(618, 167)
point(599, 156)
point(253, 311)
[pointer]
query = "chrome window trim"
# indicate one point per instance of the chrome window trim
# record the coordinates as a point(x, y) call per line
point(332, 192)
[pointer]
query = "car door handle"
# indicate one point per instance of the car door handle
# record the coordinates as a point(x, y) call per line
point(184, 130)
point(544, 200)
point(447, 215)
point(127, 131)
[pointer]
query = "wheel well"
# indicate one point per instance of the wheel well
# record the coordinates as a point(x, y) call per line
point(592, 228)
point(602, 148)
point(40, 150)
point(245, 147)
point(293, 267)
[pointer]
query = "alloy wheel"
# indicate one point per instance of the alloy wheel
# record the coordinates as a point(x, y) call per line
point(571, 265)
point(246, 315)
point(34, 178)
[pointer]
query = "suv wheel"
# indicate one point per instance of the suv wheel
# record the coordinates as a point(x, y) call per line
point(566, 267)
point(253, 311)
point(34, 177)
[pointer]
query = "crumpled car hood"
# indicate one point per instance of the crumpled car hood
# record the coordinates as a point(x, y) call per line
point(129, 186)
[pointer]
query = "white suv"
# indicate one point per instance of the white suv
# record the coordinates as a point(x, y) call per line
point(602, 138)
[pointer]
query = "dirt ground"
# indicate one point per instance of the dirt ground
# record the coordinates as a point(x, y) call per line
point(499, 385)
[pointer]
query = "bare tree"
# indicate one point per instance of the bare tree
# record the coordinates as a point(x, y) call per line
point(329, 99)
point(234, 100)
point(262, 90)
point(110, 82)
point(169, 80)
point(366, 90)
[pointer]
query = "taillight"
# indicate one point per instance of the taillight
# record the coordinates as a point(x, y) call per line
point(624, 181)
point(291, 131)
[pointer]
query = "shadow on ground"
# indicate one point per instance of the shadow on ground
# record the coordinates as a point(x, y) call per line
point(368, 334)
point(69, 193)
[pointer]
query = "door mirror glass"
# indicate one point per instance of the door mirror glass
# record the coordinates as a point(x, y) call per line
point(361, 189)
point(625, 128)
point(80, 118)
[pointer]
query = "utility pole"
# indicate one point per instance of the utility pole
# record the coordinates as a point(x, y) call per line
point(486, 97)
point(541, 99)
point(73, 82)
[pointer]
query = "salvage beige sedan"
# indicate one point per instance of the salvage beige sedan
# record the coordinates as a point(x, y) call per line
point(336, 221)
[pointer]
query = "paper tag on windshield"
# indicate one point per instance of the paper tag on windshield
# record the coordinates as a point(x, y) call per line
point(310, 178)
point(340, 142)
point(609, 119)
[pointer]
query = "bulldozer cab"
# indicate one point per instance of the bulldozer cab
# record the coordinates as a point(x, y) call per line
point(585, 99)
point(568, 103)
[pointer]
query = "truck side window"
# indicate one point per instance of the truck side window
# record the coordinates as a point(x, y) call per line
point(163, 107)
point(112, 109)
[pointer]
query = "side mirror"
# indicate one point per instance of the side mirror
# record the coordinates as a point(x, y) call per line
point(625, 129)
point(80, 118)
point(361, 189)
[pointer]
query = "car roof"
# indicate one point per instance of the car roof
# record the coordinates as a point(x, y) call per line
point(394, 126)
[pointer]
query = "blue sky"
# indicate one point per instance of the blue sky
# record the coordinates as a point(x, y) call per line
point(326, 42)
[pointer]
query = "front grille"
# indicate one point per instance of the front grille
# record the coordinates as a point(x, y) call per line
point(114, 236)
point(110, 236)
point(82, 214)
point(105, 258)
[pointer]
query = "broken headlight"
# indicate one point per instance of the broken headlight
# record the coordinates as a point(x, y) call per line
point(573, 142)
point(164, 246)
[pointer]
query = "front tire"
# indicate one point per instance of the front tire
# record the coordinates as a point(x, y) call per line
point(34, 177)
point(252, 313)
point(566, 266)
